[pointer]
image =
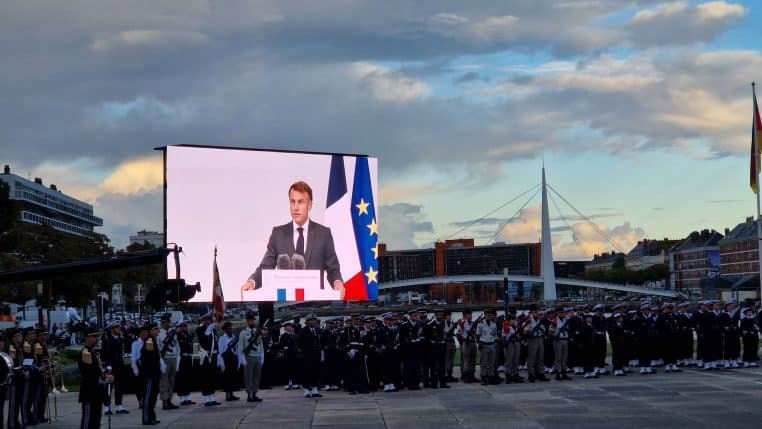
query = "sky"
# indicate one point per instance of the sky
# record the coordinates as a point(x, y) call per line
point(640, 110)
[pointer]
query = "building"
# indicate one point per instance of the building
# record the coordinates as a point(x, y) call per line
point(156, 239)
point(604, 261)
point(739, 251)
point(695, 258)
point(39, 204)
point(404, 264)
point(648, 253)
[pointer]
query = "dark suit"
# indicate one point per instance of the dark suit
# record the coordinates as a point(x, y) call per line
point(319, 253)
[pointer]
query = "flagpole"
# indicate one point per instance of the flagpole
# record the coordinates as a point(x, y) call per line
point(756, 153)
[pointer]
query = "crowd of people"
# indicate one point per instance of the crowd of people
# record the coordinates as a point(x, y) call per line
point(410, 350)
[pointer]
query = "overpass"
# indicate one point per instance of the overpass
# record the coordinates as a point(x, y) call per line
point(518, 278)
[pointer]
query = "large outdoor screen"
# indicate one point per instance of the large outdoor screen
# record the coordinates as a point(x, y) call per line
point(287, 226)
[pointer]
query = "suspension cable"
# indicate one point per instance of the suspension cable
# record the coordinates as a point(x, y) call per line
point(492, 212)
point(515, 215)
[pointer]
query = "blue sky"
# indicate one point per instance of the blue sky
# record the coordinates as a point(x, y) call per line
point(641, 108)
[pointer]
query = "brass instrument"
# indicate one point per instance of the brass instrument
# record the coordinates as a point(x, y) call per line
point(54, 370)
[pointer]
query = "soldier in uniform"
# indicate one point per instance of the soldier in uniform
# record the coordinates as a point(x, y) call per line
point(587, 345)
point(575, 352)
point(287, 352)
point(185, 367)
point(137, 345)
point(41, 358)
point(631, 326)
point(535, 332)
point(646, 333)
point(684, 321)
point(486, 335)
point(599, 323)
point(16, 388)
point(3, 385)
point(510, 340)
point(228, 360)
point(206, 335)
point(750, 337)
point(390, 355)
point(729, 320)
point(251, 351)
point(313, 356)
point(411, 336)
point(112, 353)
point(699, 324)
point(467, 339)
point(93, 382)
point(169, 351)
point(350, 342)
point(712, 334)
point(667, 328)
point(372, 340)
point(32, 379)
point(618, 350)
point(559, 332)
point(436, 336)
point(269, 364)
point(333, 361)
point(150, 366)
point(450, 328)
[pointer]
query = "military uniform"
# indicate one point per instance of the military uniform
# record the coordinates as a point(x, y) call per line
point(112, 353)
point(466, 336)
point(251, 351)
point(486, 334)
point(450, 328)
point(312, 357)
point(750, 336)
point(42, 360)
point(183, 380)
point(617, 336)
point(150, 367)
point(32, 378)
point(16, 387)
point(599, 339)
point(587, 344)
point(333, 359)
point(390, 354)
point(228, 360)
point(436, 337)
point(350, 342)
point(512, 349)
point(731, 336)
point(288, 358)
point(411, 337)
point(170, 352)
point(535, 332)
point(92, 385)
point(560, 335)
point(206, 335)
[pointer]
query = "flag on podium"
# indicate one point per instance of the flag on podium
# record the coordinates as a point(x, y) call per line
point(756, 131)
point(218, 300)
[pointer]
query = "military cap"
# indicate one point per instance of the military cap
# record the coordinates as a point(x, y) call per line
point(422, 310)
point(13, 332)
point(411, 312)
point(287, 323)
point(388, 316)
point(618, 306)
point(227, 325)
point(183, 322)
point(27, 330)
point(654, 308)
point(310, 316)
point(277, 322)
point(598, 307)
point(568, 309)
point(645, 306)
point(684, 304)
point(251, 315)
point(581, 306)
point(618, 315)
point(439, 310)
point(113, 324)
point(92, 331)
point(550, 311)
point(588, 314)
point(354, 316)
point(489, 311)
point(166, 317)
point(209, 315)
point(632, 312)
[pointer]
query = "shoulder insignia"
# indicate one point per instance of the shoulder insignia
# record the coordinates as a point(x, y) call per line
point(87, 357)
point(38, 349)
point(27, 347)
point(149, 344)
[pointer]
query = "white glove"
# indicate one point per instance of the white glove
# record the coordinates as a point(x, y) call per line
point(322, 356)
point(352, 353)
point(135, 371)
point(221, 367)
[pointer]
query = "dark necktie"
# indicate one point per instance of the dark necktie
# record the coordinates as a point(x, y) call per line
point(300, 241)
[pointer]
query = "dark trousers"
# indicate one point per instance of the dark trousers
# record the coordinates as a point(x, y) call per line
point(390, 367)
point(436, 355)
point(14, 405)
point(208, 375)
point(618, 356)
point(27, 401)
point(732, 349)
point(3, 396)
point(311, 369)
point(356, 379)
point(412, 365)
point(150, 394)
point(600, 350)
point(183, 377)
point(91, 415)
point(750, 348)
point(332, 368)
point(230, 377)
point(40, 400)
point(121, 376)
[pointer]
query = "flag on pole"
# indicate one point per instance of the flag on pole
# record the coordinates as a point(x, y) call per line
point(218, 301)
point(756, 131)
point(352, 219)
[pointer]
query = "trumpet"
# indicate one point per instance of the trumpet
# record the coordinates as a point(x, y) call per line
point(55, 372)
point(49, 379)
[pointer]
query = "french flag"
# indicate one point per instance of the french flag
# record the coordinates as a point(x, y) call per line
point(352, 219)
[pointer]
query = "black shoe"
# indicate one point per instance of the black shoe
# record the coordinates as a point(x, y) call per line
point(485, 382)
point(531, 379)
point(517, 379)
point(444, 386)
point(231, 398)
point(108, 413)
point(353, 392)
point(254, 398)
point(122, 412)
point(215, 402)
point(317, 395)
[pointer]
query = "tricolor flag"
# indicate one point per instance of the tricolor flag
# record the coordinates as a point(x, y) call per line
point(352, 219)
point(218, 301)
point(756, 131)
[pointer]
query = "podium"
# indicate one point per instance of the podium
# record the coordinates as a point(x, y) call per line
point(294, 285)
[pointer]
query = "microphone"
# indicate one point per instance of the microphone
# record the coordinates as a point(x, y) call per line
point(298, 262)
point(284, 262)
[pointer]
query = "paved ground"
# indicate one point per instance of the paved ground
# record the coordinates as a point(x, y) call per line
point(691, 399)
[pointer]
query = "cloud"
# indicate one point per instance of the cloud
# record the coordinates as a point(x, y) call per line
point(402, 225)
point(146, 38)
point(386, 86)
point(679, 23)
point(470, 77)
point(583, 242)
point(124, 215)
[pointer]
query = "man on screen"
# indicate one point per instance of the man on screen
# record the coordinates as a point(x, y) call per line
point(301, 243)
